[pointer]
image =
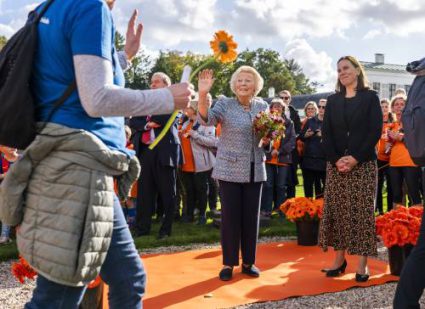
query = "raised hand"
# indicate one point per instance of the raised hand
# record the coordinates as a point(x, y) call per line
point(133, 38)
point(205, 81)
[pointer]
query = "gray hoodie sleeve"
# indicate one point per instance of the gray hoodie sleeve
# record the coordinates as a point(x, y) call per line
point(101, 98)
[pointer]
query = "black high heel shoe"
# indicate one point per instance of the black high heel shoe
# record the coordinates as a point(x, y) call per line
point(364, 277)
point(336, 272)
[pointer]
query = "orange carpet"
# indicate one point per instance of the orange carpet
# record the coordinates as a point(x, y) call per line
point(189, 279)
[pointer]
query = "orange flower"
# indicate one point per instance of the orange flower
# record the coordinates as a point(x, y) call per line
point(22, 270)
point(301, 208)
point(400, 226)
point(402, 233)
point(224, 47)
point(390, 239)
point(416, 211)
point(94, 283)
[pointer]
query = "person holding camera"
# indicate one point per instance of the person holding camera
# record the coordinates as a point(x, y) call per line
point(313, 164)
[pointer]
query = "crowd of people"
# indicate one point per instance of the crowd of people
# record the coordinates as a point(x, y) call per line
point(347, 146)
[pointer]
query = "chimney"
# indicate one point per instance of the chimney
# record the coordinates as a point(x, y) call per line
point(379, 58)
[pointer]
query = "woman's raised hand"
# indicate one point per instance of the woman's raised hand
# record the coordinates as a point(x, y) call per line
point(205, 81)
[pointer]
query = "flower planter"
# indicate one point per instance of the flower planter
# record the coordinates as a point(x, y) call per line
point(307, 233)
point(397, 256)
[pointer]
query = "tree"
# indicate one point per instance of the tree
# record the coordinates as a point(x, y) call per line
point(173, 62)
point(3, 41)
point(137, 75)
point(276, 72)
point(302, 83)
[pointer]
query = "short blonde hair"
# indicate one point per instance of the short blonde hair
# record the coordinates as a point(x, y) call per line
point(400, 92)
point(311, 103)
point(258, 80)
point(278, 101)
point(395, 98)
point(165, 78)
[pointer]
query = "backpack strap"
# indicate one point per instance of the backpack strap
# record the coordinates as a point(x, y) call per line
point(71, 87)
point(43, 10)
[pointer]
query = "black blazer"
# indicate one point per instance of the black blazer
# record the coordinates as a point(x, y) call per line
point(168, 148)
point(359, 135)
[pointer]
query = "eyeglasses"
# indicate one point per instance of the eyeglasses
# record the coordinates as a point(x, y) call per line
point(285, 98)
point(321, 107)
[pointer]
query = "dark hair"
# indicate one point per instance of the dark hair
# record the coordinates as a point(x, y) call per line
point(362, 82)
point(391, 118)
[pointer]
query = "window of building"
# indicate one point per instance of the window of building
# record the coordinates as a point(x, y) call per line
point(392, 89)
point(377, 87)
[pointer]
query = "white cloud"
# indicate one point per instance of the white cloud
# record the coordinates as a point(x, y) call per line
point(372, 34)
point(293, 18)
point(400, 18)
point(317, 66)
point(170, 22)
point(6, 30)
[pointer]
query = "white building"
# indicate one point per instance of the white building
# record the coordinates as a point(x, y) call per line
point(385, 78)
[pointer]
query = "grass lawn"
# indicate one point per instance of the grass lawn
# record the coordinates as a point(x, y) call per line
point(188, 233)
point(183, 234)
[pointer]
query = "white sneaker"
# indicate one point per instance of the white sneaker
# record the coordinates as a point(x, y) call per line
point(5, 240)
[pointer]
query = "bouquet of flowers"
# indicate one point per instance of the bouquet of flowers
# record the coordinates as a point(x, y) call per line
point(269, 125)
point(302, 209)
point(400, 226)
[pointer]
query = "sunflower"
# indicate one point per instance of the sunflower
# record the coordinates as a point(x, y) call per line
point(224, 47)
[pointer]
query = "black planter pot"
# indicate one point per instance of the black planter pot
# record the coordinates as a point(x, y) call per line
point(397, 256)
point(307, 233)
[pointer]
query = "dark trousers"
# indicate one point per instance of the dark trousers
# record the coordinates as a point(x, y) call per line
point(314, 182)
point(412, 177)
point(412, 280)
point(196, 187)
point(292, 181)
point(180, 196)
point(274, 188)
point(240, 203)
point(155, 179)
point(383, 175)
point(212, 191)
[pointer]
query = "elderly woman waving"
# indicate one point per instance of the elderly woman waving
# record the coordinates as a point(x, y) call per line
point(239, 167)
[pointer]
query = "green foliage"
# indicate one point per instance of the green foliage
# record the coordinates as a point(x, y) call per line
point(137, 76)
point(302, 83)
point(277, 73)
point(3, 41)
point(183, 234)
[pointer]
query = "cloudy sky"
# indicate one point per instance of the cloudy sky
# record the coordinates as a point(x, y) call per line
point(313, 32)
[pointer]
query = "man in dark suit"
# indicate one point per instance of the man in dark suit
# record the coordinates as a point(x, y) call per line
point(292, 114)
point(158, 175)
